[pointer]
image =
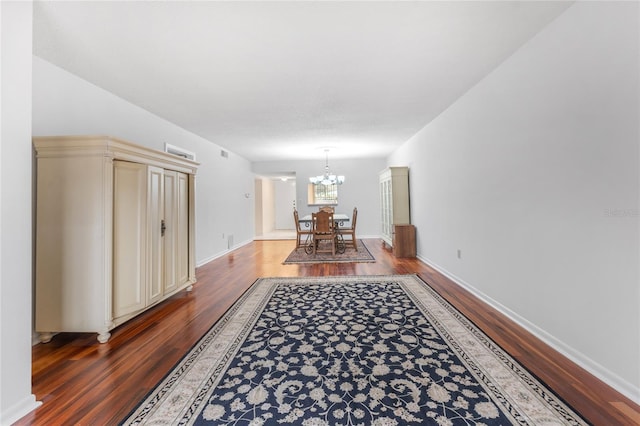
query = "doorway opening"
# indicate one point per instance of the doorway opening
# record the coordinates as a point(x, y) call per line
point(275, 201)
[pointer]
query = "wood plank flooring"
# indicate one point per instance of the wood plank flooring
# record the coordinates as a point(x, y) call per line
point(81, 381)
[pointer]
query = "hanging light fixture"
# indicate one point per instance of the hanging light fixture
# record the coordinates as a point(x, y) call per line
point(327, 178)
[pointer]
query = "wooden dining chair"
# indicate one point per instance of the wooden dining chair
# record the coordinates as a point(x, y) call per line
point(301, 233)
point(351, 231)
point(327, 209)
point(324, 230)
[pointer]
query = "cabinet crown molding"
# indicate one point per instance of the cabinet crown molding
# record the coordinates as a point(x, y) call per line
point(109, 147)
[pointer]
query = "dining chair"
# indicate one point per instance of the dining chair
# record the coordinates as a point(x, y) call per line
point(324, 230)
point(351, 231)
point(301, 233)
point(328, 209)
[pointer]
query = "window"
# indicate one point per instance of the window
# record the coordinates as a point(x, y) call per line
point(322, 194)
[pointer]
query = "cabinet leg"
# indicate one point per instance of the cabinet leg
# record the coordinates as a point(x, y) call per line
point(190, 288)
point(45, 337)
point(104, 337)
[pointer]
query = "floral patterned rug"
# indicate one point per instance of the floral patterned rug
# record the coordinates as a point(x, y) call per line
point(349, 255)
point(360, 350)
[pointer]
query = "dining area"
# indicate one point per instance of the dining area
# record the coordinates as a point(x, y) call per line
point(326, 231)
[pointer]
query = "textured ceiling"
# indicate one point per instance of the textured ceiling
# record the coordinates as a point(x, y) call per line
point(283, 80)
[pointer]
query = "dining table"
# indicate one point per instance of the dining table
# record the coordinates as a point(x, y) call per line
point(339, 218)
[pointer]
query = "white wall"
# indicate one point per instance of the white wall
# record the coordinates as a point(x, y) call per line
point(361, 187)
point(16, 399)
point(285, 194)
point(268, 206)
point(258, 206)
point(534, 176)
point(64, 104)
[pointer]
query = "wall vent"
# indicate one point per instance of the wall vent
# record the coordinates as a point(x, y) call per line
point(172, 149)
point(224, 154)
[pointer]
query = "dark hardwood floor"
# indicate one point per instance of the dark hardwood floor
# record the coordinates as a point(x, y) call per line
point(81, 381)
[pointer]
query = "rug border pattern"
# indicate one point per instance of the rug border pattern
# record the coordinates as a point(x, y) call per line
point(543, 393)
point(150, 403)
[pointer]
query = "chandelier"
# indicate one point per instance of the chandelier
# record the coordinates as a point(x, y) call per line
point(327, 178)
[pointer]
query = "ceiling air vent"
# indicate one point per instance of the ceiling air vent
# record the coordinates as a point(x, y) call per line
point(224, 154)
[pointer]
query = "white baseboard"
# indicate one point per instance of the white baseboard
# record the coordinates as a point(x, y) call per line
point(206, 260)
point(621, 385)
point(19, 410)
point(366, 237)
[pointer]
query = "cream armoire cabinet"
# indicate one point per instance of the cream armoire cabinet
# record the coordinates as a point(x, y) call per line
point(115, 232)
point(394, 200)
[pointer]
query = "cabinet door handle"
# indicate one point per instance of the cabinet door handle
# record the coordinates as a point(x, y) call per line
point(163, 228)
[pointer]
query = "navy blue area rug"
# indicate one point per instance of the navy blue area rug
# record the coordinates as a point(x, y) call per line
point(360, 350)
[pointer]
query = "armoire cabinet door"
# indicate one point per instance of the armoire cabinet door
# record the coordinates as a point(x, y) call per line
point(182, 221)
point(176, 237)
point(169, 237)
point(151, 235)
point(129, 238)
point(138, 252)
point(156, 229)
